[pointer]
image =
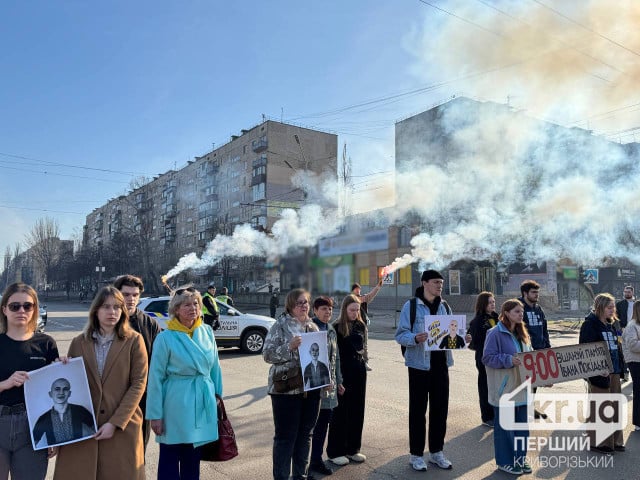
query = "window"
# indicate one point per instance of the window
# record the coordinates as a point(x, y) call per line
point(404, 275)
point(259, 191)
point(363, 276)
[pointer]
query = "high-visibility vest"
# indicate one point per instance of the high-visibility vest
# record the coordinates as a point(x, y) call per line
point(205, 310)
point(224, 298)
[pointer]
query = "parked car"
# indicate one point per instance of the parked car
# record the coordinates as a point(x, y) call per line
point(43, 314)
point(237, 329)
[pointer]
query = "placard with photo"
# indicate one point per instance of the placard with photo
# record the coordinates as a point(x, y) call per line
point(314, 359)
point(59, 407)
point(446, 332)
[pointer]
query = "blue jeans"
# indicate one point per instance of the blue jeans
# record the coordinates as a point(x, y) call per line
point(507, 451)
point(180, 461)
point(16, 453)
point(294, 417)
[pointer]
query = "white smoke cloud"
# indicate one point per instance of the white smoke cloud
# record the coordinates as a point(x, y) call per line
point(506, 186)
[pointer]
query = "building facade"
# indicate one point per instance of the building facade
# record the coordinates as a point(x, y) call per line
point(245, 181)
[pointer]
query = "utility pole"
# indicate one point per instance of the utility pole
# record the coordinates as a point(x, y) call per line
point(307, 250)
point(345, 180)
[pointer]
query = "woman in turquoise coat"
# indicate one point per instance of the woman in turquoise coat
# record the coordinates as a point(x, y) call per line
point(184, 378)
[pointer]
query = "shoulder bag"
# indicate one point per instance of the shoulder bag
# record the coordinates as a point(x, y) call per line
point(225, 448)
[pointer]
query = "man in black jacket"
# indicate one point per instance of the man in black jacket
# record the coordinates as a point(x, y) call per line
point(131, 287)
point(65, 421)
point(210, 312)
point(535, 321)
point(624, 308)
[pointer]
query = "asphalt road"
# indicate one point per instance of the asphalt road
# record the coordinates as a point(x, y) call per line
point(469, 445)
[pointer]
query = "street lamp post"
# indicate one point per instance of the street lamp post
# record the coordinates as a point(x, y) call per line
point(100, 270)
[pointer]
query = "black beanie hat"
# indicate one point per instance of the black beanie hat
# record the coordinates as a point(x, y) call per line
point(431, 274)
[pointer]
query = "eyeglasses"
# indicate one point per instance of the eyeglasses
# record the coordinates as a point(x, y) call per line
point(302, 303)
point(15, 306)
point(180, 291)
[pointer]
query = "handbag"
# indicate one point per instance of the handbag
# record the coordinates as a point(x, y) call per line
point(225, 448)
point(287, 379)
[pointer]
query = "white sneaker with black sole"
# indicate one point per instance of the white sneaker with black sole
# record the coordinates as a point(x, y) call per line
point(440, 460)
point(418, 463)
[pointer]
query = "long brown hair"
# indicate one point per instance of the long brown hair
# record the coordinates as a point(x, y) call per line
point(122, 328)
point(519, 329)
point(19, 287)
point(342, 323)
point(482, 301)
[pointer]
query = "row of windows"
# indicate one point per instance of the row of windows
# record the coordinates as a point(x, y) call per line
point(403, 274)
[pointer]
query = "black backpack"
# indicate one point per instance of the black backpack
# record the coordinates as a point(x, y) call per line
point(412, 316)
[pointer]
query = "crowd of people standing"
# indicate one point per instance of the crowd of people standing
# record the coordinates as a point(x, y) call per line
point(142, 379)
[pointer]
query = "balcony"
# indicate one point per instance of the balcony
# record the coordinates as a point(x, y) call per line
point(170, 210)
point(259, 145)
point(260, 161)
point(257, 179)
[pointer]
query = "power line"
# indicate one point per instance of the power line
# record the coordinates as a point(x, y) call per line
point(560, 14)
point(462, 19)
point(63, 175)
point(554, 37)
point(81, 167)
point(40, 209)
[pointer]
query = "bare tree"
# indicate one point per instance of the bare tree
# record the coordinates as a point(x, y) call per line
point(44, 243)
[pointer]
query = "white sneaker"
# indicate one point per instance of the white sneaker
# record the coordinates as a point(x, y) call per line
point(357, 457)
point(440, 460)
point(340, 461)
point(417, 463)
point(367, 367)
point(636, 428)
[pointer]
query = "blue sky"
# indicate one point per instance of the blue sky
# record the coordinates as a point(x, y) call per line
point(95, 94)
point(137, 88)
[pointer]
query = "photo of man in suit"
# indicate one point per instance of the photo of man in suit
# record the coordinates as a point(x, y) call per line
point(65, 421)
point(316, 373)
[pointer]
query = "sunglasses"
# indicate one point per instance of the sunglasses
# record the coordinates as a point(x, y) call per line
point(180, 291)
point(302, 303)
point(15, 306)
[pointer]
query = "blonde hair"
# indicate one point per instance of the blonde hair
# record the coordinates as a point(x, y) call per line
point(601, 302)
point(178, 299)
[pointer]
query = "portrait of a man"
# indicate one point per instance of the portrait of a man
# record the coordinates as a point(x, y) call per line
point(65, 421)
point(316, 373)
point(452, 340)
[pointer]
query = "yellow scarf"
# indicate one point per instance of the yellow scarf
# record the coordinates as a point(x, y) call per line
point(174, 324)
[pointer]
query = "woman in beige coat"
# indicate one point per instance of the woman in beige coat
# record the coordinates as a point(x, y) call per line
point(116, 362)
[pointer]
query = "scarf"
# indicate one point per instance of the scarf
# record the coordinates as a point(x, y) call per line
point(174, 324)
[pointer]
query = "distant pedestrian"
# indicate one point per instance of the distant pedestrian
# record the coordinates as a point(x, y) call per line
point(274, 303)
point(224, 297)
point(210, 310)
point(624, 308)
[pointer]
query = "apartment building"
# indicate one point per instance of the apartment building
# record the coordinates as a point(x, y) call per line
point(245, 181)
